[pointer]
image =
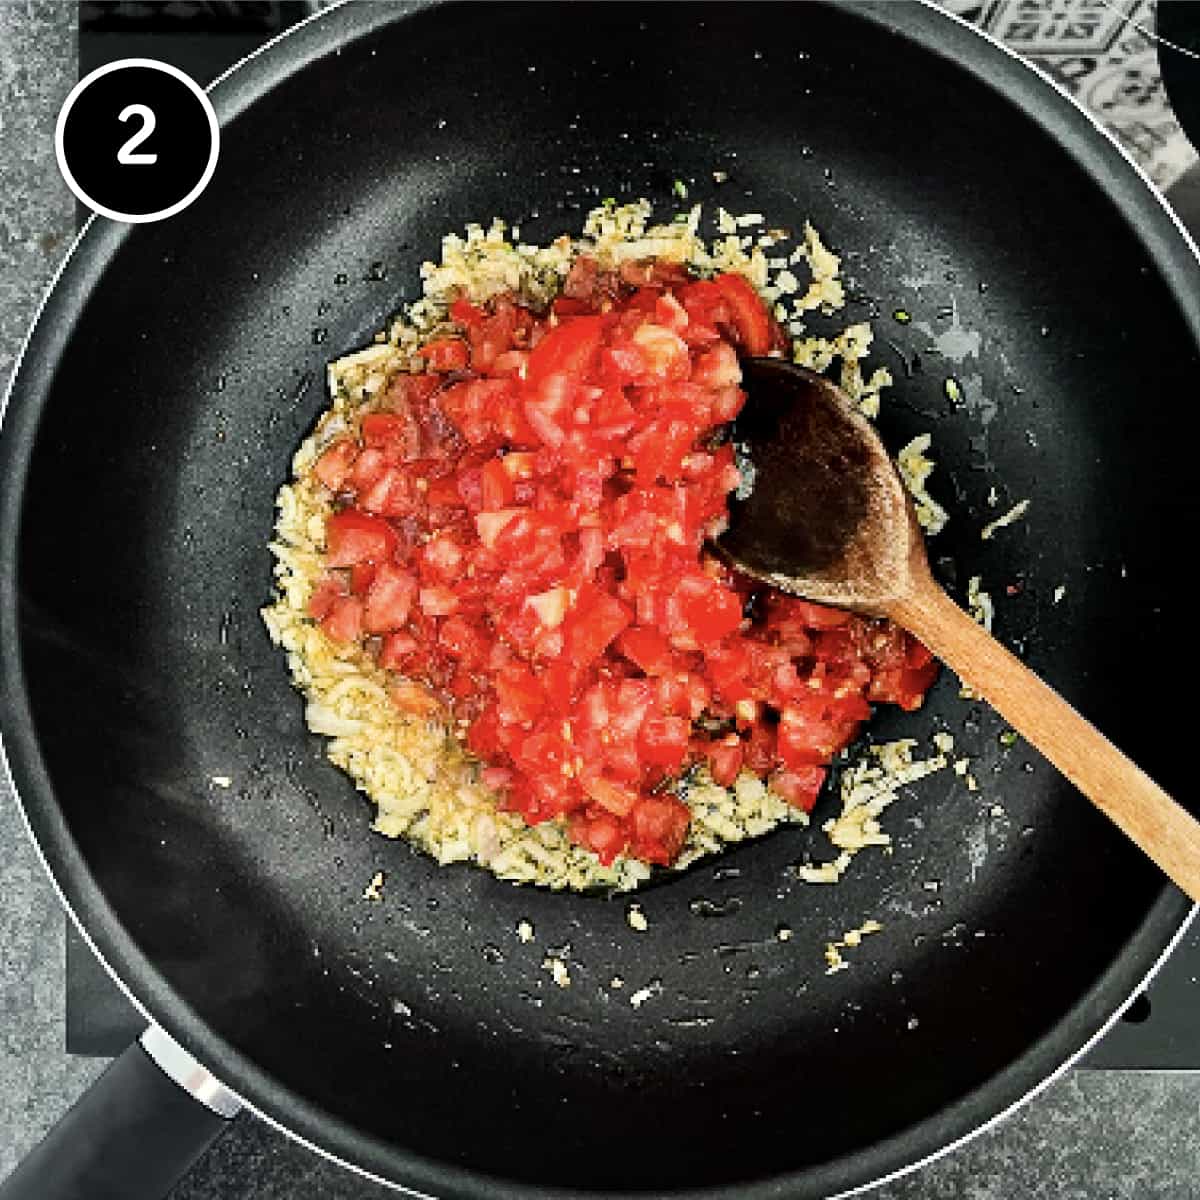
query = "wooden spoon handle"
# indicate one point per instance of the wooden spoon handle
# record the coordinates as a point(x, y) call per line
point(1115, 784)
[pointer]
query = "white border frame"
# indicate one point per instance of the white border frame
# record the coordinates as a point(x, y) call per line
point(401, 1188)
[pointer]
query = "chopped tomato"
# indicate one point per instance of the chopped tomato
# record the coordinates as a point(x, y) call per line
point(568, 349)
point(323, 597)
point(521, 547)
point(415, 700)
point(751, 320)
point(344, 620)
point(648, 649)
point(353, 537)
point(659, 826)
point(799, 786)
point(725, 760)
point(595, 622)
point(706, 611)
point(717, 368)
point(437, 601)
point(362, 575)
point(389, 598)
point(467, 314)
point(496, 488)
point(446, 354)
point(664, 741)
point(612, 796)
point(602, 834)
point(383, 430)
point(396, 649)
point(335, 462)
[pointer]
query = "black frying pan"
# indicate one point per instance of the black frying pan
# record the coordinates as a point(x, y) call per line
point(176, 366)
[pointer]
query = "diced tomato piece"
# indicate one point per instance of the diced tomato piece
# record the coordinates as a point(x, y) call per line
point(520, 464)
point(580, 283)
point(467, 314)
point(601, 834)
point(384, 429)
point(511, 362)
point(408, 391)
point(496, 485)
point(551, 606)
point(437, 601)
point(362, 575)
point(367, 469)
point(803, 740)
point(717, 367)
point(670, 313)
point(389, 496)
point(917, 655)
point(389, 598)
point(323, 596)
point(660, 824)
point(462, 640)
point(353, 537)
point(396, 650)
point(343, 622)
point(749, 314)
point(725, 760)
point(443, 493)
point(663, 741)
point(799, 786)
point(568, 349)
point(659, 449)
point(648, 649)
point(617, 799)
point(663, 351)
point(491, 524)
point(760, 749)
point(565, 306)
point(706, 610)
point(335, 463)
point(727, 402)
point(446, 354)
point(596, 621)
point(416, 700)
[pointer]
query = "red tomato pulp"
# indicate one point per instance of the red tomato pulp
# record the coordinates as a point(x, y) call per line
point(521, 529)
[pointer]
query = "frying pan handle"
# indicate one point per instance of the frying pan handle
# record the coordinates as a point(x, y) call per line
point(133, 1133)
point(1145, 813)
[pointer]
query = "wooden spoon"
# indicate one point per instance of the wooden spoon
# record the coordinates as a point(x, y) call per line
point(828, 519)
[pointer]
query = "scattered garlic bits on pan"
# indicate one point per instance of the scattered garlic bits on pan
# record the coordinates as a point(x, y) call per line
point(983, 612)
point(979, 603)
point(652, 989)
point(848, 941)
point(1014, 514)
point(868, 787)
point(557, 970)
point(915, 469)
point(374, 889)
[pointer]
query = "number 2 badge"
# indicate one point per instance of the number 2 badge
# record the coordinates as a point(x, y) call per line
point(137, 140)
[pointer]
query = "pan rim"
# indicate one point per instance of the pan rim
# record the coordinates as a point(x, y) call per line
point(1165, 924)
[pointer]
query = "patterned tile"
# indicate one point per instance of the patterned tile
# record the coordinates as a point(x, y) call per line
point(1102, 51)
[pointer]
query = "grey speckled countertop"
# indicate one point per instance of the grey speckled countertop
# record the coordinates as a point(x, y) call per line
point(1093, 1135)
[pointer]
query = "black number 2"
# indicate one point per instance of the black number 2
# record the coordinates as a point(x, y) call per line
point(126, 155)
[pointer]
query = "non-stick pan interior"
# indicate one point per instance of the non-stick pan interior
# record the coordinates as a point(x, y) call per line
point(421, 1023)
